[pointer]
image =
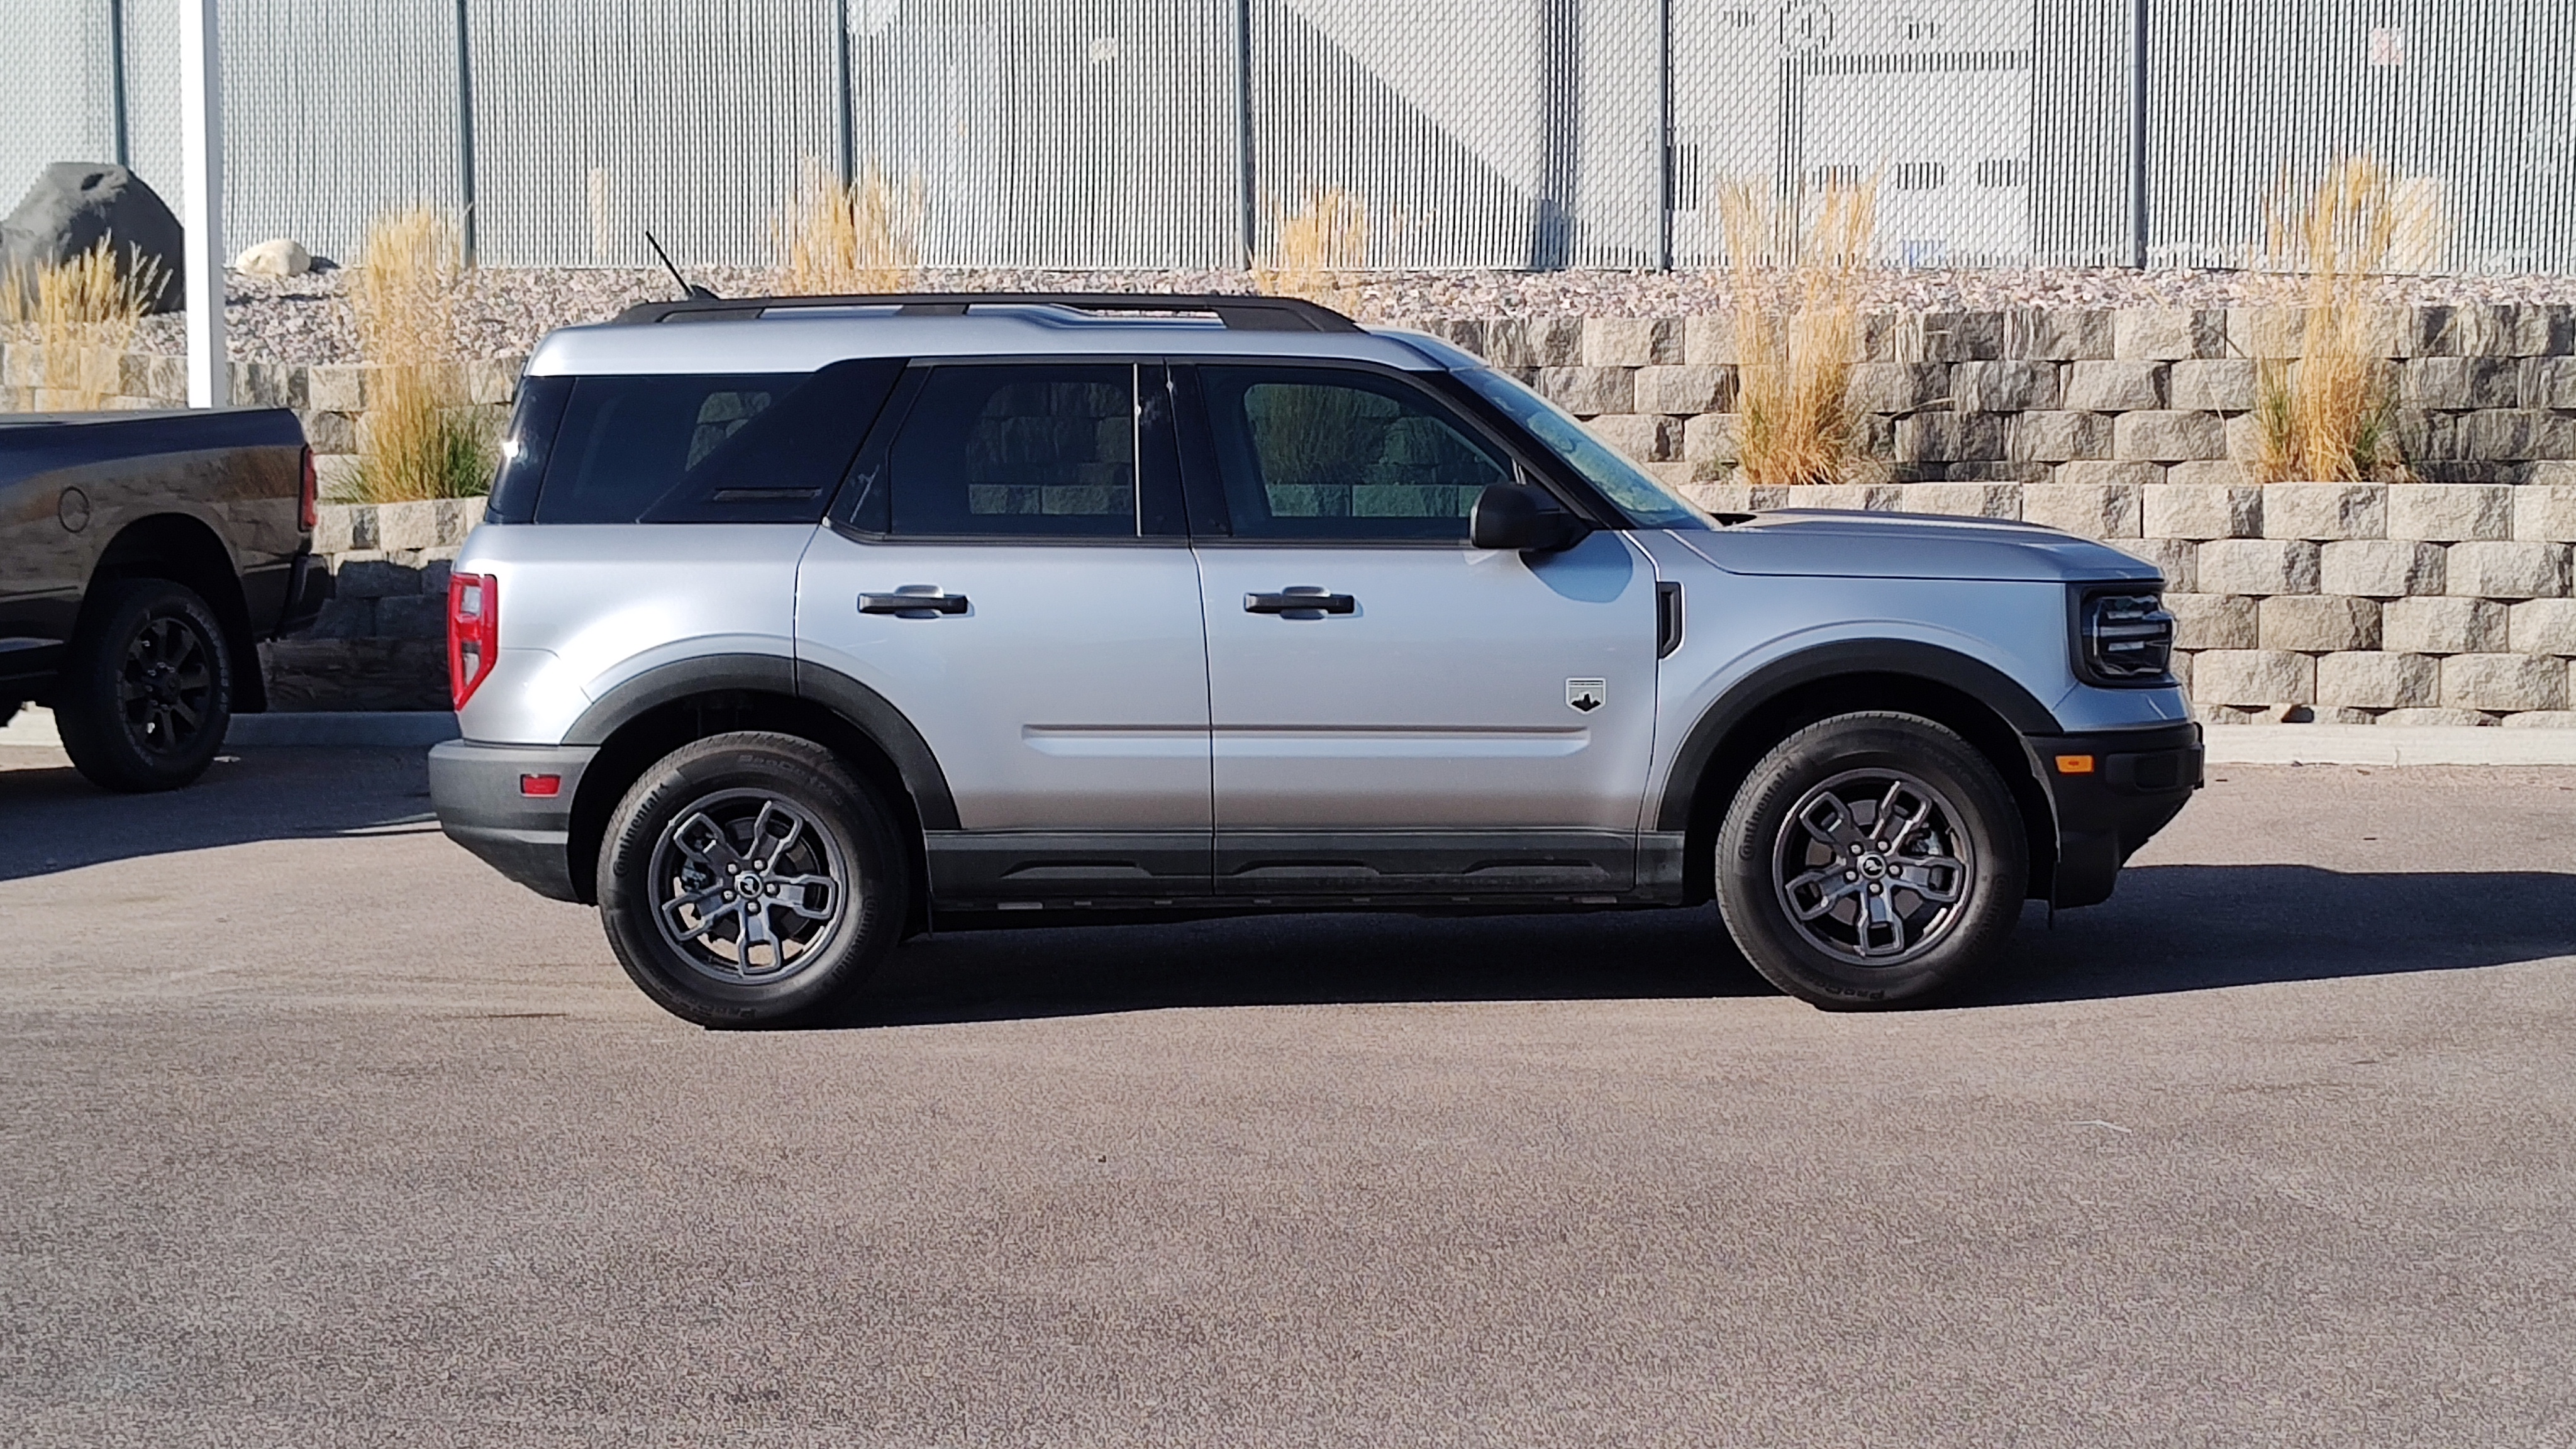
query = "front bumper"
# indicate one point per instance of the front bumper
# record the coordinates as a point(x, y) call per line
point(2139, 779)
point(476, 790)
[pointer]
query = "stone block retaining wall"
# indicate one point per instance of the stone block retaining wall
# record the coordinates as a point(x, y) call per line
point(381, 641)
point(2443, 600)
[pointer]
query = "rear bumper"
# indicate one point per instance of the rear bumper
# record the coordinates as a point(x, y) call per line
point(475, 788)
point(308, 585)
point(2139, 780)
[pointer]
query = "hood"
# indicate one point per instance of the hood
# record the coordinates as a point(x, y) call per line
point(1821, 542)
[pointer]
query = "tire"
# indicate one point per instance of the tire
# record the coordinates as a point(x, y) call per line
point(146, 693)
point(1825, 793)
point(732, 806)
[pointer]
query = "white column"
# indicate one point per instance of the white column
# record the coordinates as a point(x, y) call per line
point(201, 215)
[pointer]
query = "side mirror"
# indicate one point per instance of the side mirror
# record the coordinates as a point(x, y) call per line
point(1519, 517)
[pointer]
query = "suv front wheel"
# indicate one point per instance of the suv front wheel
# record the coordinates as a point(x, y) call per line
point(750, 879)
point(1871, 860)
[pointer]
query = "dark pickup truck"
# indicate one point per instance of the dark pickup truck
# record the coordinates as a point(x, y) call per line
point(142, 556)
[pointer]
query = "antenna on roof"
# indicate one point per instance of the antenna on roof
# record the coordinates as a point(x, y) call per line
point(688, 289)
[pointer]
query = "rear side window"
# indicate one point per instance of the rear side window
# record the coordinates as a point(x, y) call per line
point(1041, 450)
point(533, 425)
point(1016, 450)
point(709, 448)
point(1312, 453)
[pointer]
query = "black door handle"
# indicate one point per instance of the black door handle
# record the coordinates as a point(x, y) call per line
point(1300, 599)
point(905, 605)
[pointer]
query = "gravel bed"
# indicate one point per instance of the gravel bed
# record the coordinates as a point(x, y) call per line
point(503, 311)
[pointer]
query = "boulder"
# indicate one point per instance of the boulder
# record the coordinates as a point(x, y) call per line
point(276, 257)
point(75, 204)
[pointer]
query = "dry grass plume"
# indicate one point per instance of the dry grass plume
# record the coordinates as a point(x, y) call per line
point(1316, 251)
point(421, 436)
point(854, 239)
point(1797, 277)
point(82, 315)
point(2331, 414)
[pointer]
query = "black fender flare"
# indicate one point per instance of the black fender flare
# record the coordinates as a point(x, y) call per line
point(865, 709)
point(1929, 662)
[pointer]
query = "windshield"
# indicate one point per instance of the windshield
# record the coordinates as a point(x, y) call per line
point(1632, 488)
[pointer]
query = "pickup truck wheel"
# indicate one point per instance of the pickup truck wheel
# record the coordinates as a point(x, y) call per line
point(147, 692)
point(1871, 860)
point(750, 879)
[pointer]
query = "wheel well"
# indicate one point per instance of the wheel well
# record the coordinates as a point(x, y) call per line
point(1783, 715)
point(633, 746)
point(184, 550)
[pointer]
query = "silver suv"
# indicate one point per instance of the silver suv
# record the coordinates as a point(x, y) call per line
point(798, 623)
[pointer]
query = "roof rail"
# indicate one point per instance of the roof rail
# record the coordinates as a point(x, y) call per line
point(1239, 313)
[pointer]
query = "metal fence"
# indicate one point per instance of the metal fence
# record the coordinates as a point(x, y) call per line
point(1477, 133)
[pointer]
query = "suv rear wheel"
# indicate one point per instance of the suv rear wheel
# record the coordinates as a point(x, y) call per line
point(147, 690)
point(1871, 860)
point(750, 879)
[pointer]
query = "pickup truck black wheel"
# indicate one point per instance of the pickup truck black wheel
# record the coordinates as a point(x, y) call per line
point(750, 879)
point(147, 691)
point(1871, 860)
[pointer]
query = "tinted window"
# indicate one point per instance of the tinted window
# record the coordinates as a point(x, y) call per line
point(1319, 454)
point(751, 461)
point(533, 426)
point(626, 441)
point(1010, 450)
point(705, 448)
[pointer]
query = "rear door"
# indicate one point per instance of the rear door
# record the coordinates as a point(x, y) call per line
point(1011, 573)
point(1442, 720)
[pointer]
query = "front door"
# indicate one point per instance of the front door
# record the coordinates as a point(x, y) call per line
point(1393, 711)
point(992, 582)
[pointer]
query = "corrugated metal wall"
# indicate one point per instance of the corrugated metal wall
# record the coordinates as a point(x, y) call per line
point(1485, 133)
point(2477, 101)
point(57, 99)
point(1054, 133)
point(596, 121)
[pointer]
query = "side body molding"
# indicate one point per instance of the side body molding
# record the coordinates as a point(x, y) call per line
point(1983, 682)
point(861, 706)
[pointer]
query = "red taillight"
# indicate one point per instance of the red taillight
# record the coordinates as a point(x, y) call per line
point(541, 785)
point(473, 632)
point(308, 499)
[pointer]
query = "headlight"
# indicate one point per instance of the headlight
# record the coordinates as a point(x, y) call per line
point(2125, 637)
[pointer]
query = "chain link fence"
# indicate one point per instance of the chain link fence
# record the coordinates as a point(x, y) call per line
point(1474, 133)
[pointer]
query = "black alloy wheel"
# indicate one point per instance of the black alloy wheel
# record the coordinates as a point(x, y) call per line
point(147, 693)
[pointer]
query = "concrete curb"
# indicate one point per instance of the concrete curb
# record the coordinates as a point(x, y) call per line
point(353, 729)
point(2324, 744)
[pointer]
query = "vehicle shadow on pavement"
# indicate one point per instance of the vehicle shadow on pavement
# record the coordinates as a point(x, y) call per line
point(52, 820)
point(1302, 960)
point(2171, 928)
point(2195, 927)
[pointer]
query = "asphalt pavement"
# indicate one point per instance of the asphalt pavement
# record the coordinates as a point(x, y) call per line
point(314, 1131)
